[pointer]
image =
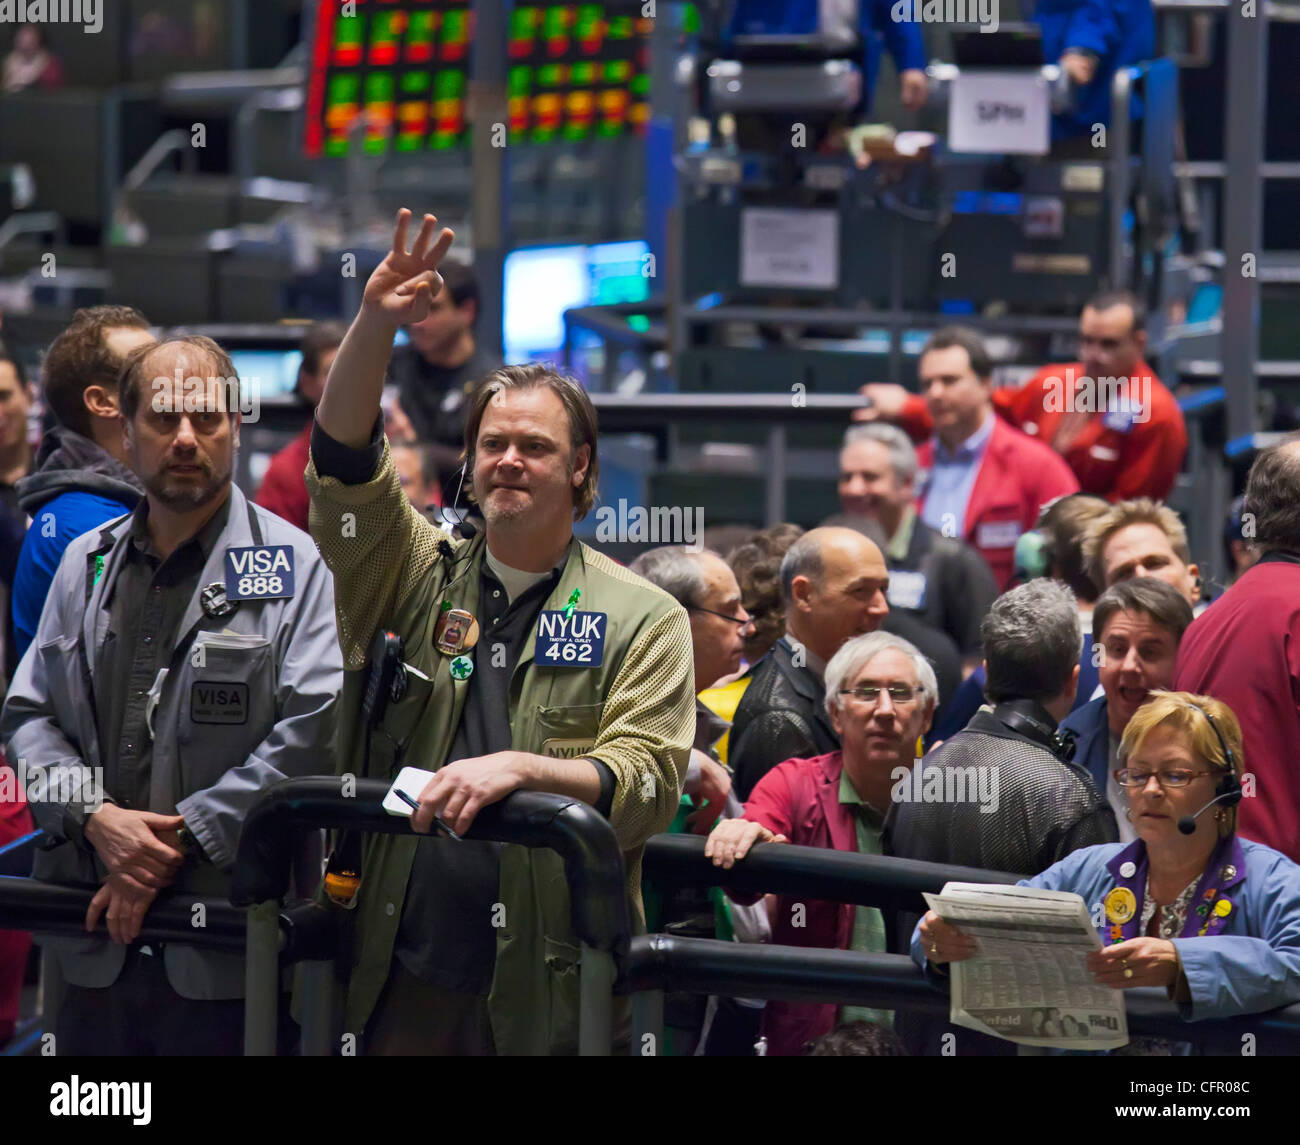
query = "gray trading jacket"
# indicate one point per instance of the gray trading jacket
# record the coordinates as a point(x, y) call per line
point(286, 650)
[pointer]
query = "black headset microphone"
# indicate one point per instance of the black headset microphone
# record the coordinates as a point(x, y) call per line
point(1227, 792)
point(466, 527)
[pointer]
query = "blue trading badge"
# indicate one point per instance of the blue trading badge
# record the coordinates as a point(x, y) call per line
point(1120, 415)
point(906, 590)
point(576, 640)
point(259, 572)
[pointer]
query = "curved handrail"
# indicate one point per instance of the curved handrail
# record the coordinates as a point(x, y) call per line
point(578, 833)
point(813, 872)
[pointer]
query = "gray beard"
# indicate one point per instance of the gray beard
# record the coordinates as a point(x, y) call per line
point(184, 500)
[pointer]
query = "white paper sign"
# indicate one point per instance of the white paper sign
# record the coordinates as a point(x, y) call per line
point(999, 113)
point(790, 248)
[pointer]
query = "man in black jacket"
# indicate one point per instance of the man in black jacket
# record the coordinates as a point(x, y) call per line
point(833, 585)
point(1002, 794)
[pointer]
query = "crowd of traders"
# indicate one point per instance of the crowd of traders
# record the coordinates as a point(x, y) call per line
point(1003, 594)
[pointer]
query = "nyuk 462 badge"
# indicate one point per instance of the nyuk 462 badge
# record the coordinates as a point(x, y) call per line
point(567, 638)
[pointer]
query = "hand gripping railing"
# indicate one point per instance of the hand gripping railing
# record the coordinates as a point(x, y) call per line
point(53, 908)
point(580, 835)
point(658, 962)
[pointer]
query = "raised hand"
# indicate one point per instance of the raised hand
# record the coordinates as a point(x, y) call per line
point(404, 285)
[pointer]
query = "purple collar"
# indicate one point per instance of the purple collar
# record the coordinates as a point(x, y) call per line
point(1208, 911)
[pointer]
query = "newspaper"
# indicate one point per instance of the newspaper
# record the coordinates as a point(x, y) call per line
point(1029, 983)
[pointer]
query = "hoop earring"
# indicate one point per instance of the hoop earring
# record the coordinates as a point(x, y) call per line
point(1128, 814)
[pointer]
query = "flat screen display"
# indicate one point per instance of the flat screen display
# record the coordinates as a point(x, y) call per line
point(541, 283)
point(574, 72)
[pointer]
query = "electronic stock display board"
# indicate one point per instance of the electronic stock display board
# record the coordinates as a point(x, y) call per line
point(574, 71)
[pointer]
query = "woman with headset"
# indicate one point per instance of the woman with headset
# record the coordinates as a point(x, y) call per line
point(1189, 906)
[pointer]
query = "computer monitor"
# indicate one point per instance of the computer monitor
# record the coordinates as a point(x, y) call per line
point(1010, 46)
point(275, 372)
point(541, 283)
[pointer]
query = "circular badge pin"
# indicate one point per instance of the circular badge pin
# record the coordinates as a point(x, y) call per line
point(462, 668)
point(1223, 908)
point(1127, 870)
point(1121, 905)
point(214, 602)
point(457, 632)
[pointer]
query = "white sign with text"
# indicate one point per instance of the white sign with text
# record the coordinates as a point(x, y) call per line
point(999, 113)
point(796, 248)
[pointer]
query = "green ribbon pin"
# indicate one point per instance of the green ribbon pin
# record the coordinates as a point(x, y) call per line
point(574, 597)
point(99, 569)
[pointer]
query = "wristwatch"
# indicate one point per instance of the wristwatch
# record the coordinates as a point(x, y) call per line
point(190, 846)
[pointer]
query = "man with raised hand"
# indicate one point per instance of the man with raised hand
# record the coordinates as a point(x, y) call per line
point(532, 663)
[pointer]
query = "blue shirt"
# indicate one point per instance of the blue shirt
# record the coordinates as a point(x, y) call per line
point(55, 525)
point(1253, 964)
point(948, 490)
point(1118, 32)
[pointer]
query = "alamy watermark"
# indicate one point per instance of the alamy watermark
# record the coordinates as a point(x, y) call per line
point(59, 784)
point(89, 13)
point(935, 784)
point(981, 12)
point(194, 394)
point(1121, 399)
point(655, 525)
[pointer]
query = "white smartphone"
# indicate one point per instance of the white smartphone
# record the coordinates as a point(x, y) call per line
point(410, 782)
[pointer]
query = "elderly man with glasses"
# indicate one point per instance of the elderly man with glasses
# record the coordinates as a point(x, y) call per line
point(880, 695)
point(705, 586)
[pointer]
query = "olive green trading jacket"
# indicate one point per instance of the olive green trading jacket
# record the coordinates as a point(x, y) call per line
point(635, 713)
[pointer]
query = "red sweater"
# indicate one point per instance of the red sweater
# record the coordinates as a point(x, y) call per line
point(1245, 650)
point(800, 799)
point(15, 822)
point(1112, 456)
point(284, 489)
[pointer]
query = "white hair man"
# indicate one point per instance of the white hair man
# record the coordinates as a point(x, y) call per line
point(880, 695)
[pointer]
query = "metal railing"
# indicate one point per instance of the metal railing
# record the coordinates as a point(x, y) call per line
point(657, 963)
point(840, 876)
point(582, 837)
point(272, 935)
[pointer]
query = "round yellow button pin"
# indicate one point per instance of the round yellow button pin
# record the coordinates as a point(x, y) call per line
point(1121, 905)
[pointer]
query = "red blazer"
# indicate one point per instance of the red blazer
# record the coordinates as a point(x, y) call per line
point(800, 799)
point(1112, 457)
point(1245, 650)
point(284, 488)
point(1016, 478)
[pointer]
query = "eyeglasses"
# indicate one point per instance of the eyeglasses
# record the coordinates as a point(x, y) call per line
point(736, 620)
point(1177, 777)
point(870, 693)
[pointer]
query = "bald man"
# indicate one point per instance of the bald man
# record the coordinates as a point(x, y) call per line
point(833, 584)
